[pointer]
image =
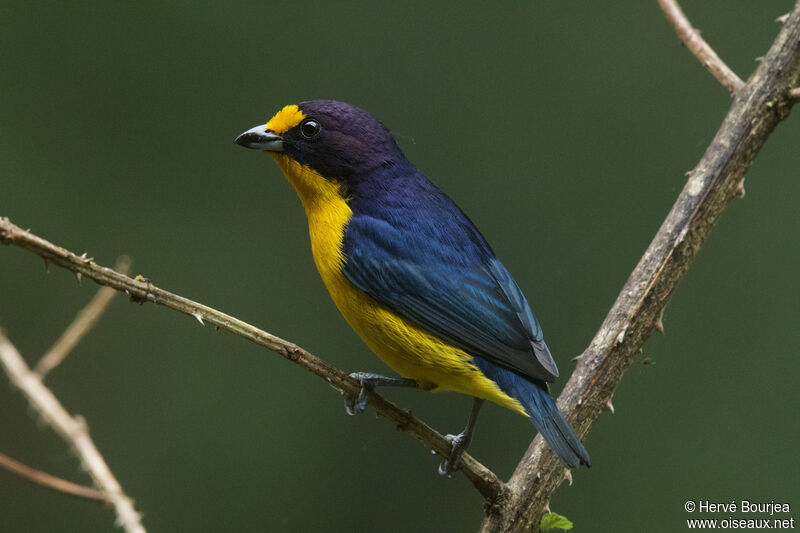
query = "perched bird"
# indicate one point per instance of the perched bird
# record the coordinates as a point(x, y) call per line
point(410, 272)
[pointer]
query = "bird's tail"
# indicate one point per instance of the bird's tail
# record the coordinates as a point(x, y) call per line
point(542, 411)
point(554, 428)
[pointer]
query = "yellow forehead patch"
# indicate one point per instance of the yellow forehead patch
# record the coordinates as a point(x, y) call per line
point(285, 119)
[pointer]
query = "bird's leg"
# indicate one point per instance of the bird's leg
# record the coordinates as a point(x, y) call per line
point(460, 442)
point(368, 383)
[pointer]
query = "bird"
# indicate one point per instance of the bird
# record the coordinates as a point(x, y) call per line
point(411, 274)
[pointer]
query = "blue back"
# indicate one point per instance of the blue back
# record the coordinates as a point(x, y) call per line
point(411, 248)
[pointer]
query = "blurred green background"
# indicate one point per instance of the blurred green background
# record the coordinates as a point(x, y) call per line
point(563, 129)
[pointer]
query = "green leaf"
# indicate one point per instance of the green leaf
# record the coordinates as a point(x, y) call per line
point(552, 521)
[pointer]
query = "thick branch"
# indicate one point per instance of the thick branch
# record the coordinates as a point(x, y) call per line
point(757, 108)
point(51, 482)
point(73, 430)
point(696, 45)
point(142, 290)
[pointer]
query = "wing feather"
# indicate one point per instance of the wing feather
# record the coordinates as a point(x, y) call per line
point(453, 287)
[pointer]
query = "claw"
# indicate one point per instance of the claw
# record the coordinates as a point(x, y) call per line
point(359, 405)
point(450, 465)
point(368, 383)
point(460, 442)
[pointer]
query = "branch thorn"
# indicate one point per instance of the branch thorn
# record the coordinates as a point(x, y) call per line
point(621, 336)
point(199, 317)
point(682, 234)
point(740, 188)
point(660, 322)
point(80, 421)
point(610, 408)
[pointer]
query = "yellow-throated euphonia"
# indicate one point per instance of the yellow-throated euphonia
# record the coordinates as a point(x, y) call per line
point(410, 272)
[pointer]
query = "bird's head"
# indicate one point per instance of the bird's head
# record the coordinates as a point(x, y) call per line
point(336, 140)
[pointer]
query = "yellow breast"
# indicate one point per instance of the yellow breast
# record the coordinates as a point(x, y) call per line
point(409, 350)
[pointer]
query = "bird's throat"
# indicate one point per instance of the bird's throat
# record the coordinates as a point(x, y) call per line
point(327, 212)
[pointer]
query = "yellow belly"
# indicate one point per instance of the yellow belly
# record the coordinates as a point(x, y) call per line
point(409, 350)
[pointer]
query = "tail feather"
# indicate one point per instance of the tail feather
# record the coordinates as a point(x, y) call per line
point(554, 428)
point(542, 411)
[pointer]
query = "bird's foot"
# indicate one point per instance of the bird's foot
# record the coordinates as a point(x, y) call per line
point(458, 444)
point(368, 382)
point(357, 405)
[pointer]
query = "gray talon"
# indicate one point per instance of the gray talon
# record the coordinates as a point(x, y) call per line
point(459, 443)
point(450, 465)
point(359, 405)
point(368, 383)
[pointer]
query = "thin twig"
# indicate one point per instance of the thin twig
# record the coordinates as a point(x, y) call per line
point(51, 482)
point(84, 321)
point(757, 108)
point(702, 51)
point(142, 290)
point(72, 430)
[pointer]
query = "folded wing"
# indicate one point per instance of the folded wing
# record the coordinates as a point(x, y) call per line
point(452, 286)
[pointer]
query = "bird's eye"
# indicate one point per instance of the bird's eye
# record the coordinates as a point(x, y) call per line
point(310, 128)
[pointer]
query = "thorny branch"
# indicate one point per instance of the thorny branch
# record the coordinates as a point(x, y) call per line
point(72, 430)
point(142, 290)
point(759, 105)
point(701, 50)
point(757, 108)
point(80, 326)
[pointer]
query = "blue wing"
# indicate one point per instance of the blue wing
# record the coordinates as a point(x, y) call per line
point(439, 272)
